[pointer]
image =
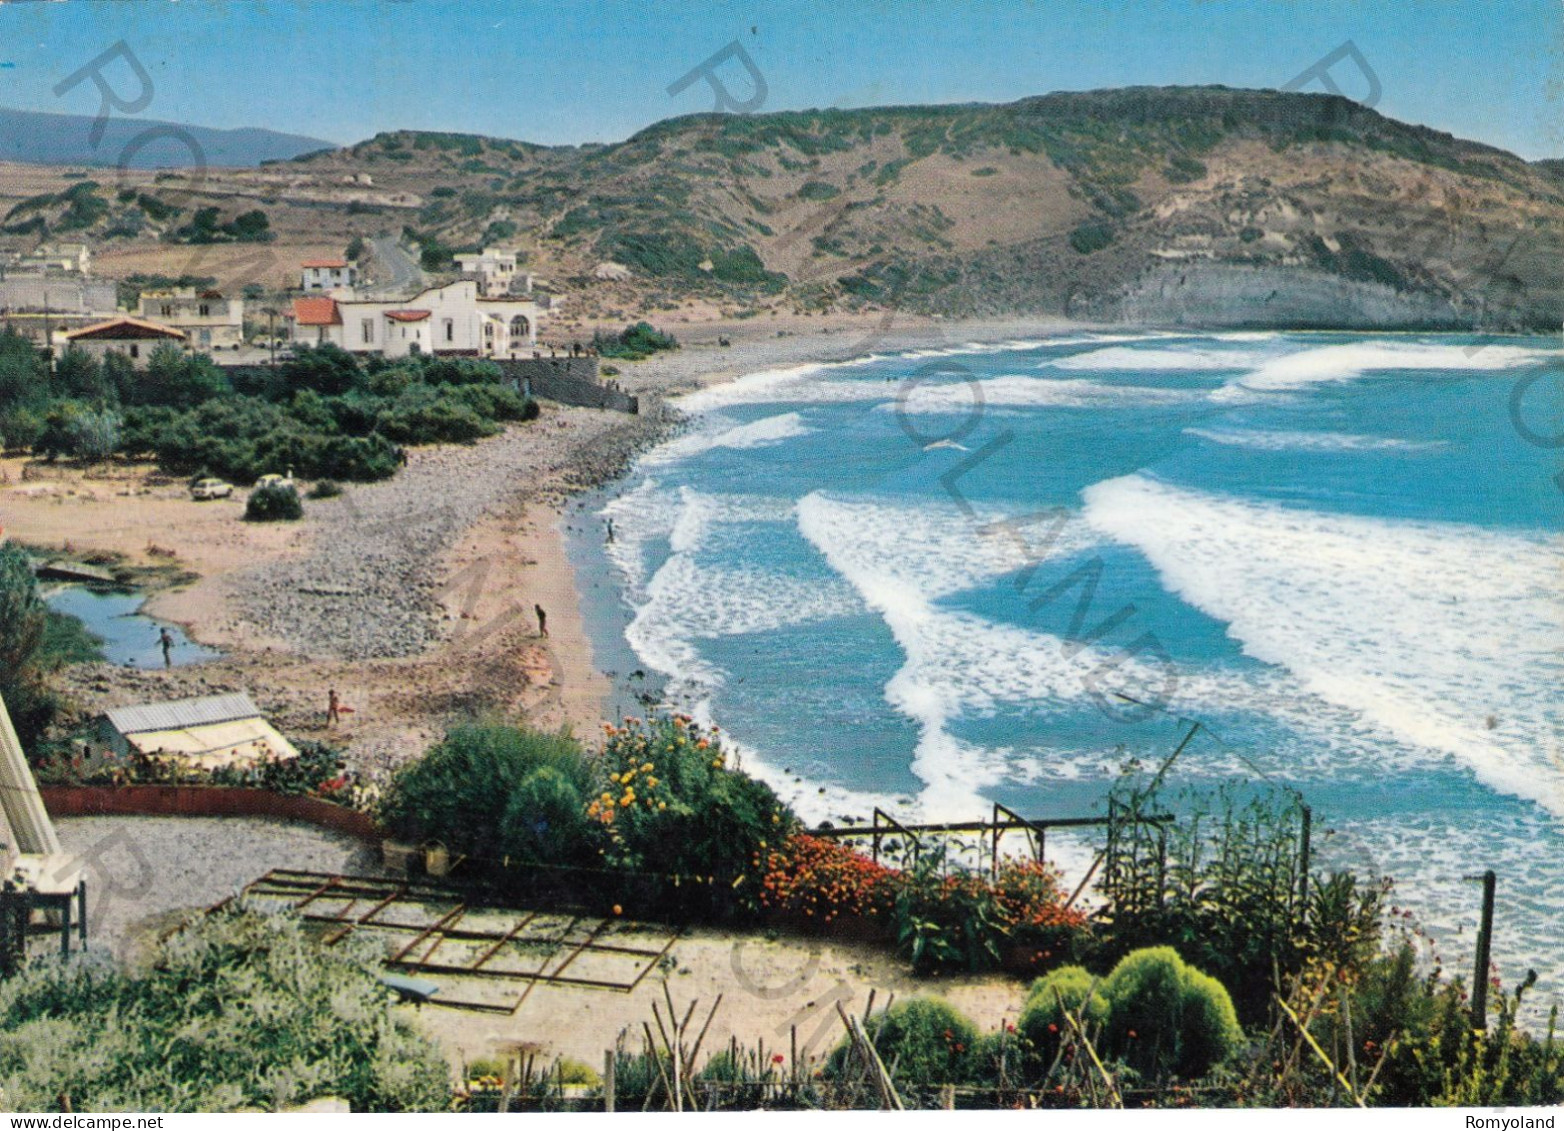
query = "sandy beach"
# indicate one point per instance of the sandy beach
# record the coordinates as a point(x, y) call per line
point(415, 599)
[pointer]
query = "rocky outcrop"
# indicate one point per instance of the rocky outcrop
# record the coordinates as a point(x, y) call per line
point(1235, 295)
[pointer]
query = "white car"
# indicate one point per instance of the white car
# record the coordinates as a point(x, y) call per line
point(275, 481)
point(210, 489)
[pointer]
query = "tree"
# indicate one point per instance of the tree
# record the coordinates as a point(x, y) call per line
point(328, 369)
point(177, 379)
point(22, 613)
point(79, 375)
point(95, 434)
point(23, 375)
point(24, 624)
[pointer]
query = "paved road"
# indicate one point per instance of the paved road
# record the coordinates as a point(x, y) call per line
point(394, 268)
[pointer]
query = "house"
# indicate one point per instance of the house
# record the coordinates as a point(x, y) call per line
point(327, 274)
point(494, 270)
point(35, 291)
point(312, 319)
point(207, 318)
point(451, 320)
point(205, 732)
point(136, 338)
point(69, 258)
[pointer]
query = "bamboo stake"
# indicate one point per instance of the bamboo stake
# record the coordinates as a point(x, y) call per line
point(610, 1071)
point(1113, 1092)
point(1319, 1052)
point(657, 1059)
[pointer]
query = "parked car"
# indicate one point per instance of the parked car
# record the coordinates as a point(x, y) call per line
point(276, 481)
point(210, 489)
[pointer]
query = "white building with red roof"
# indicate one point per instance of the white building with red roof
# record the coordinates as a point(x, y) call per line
point(136, 338)
point(453, 320)
point(327, 274)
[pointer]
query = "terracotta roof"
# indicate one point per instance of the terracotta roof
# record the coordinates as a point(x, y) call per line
point(407, 315)
point(316, 312)
point(324, 263)
point(124, 328)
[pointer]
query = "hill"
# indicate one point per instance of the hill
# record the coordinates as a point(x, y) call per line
point(1186, 204)
point(34, 138)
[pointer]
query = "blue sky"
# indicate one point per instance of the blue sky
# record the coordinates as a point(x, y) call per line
point(571, 71)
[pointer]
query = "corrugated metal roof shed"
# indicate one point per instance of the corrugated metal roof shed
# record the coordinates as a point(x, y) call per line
point(182, 713)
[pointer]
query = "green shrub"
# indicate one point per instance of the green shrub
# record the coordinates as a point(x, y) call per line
point(568, 1070)
point(634, 343)
point(326, 489)
point(235, 1010)
point(273, 503)
point(1166, 1017)
point(497, 791)
point(1042, 1022)
point(923, 1041)
point(1091, 236)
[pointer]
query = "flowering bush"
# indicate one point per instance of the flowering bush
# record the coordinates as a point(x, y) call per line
point(688, 828)
point(1042, 931)
point(824, 880)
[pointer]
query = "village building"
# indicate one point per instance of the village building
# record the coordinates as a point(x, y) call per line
point(207, 318)
point(494, 270)
point(65, 258)
point(136, 338)
point(205, 732)
point(34, 291)
point(452, 320)
point(327, 274)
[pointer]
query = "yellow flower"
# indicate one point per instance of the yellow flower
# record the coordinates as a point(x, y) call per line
point(646, 767)
point(661, 805)
point(651, 783)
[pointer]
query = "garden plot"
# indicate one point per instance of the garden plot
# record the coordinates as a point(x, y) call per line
point(483, 957)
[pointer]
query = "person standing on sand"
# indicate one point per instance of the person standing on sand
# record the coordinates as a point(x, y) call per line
point(610, 530)
point(542, 620)
point(333, 708)
point(166, 642)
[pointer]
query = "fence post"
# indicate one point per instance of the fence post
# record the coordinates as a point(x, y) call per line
point(610, 1065)
point(947, 1097)
point(1303, 860)
point(1484, 949)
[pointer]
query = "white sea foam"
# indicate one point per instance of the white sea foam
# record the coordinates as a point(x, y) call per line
point(1347, 362)
point(1434, 633)
point(1174, 360)
point(901, 561)
point(1016, 391)
point(1283, 441)
point(754, 388)
point(718, 432)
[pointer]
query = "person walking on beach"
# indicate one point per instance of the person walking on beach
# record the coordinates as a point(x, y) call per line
point(333, 708)
point(610, 530)
point(542, 620)
point(166, 642)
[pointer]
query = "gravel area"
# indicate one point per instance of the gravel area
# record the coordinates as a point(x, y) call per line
point(144, 873)
point(368, 586)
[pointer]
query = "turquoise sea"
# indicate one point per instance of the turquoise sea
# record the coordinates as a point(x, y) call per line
point(924, 581)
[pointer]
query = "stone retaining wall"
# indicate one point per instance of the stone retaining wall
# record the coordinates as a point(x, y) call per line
point(204, 801)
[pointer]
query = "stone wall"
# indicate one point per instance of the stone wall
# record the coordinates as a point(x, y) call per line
point(568, 380)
